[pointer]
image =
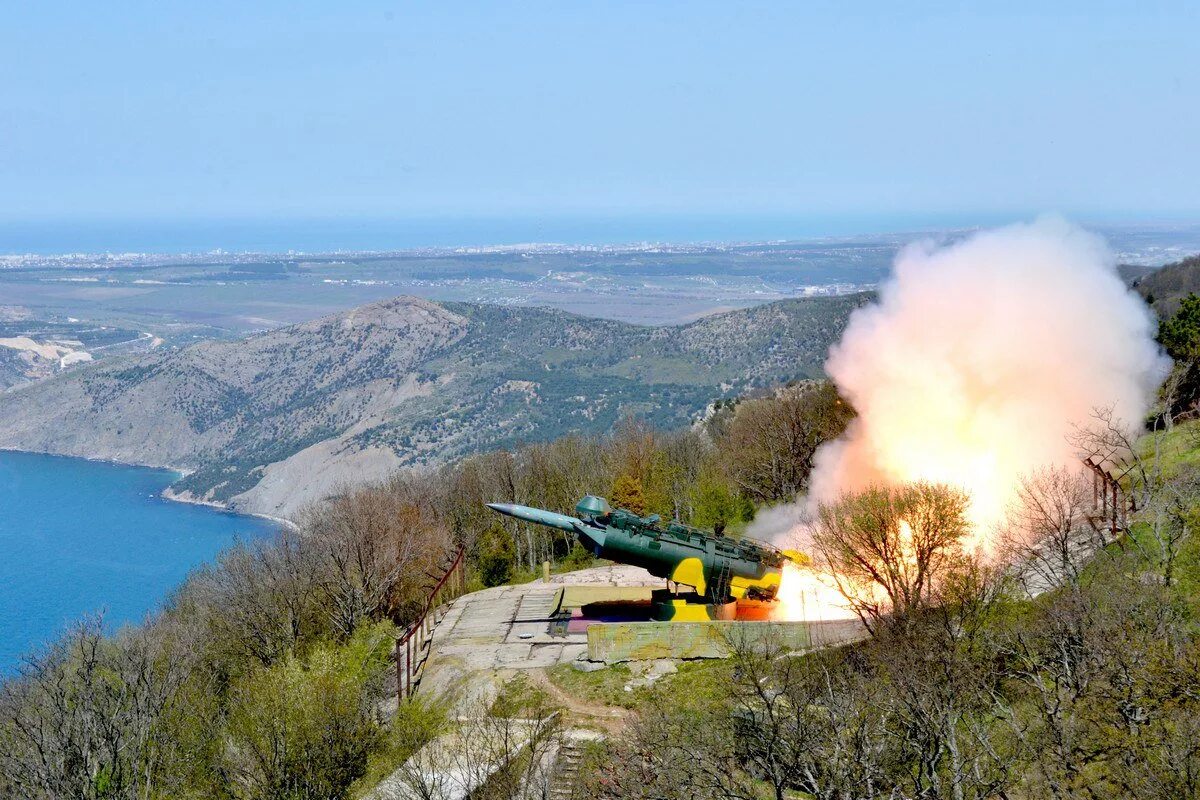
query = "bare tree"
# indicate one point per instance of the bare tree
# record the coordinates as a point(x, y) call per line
point(674, 752)
point(804, 722)
point(1050, 534)
point(689, 453)
point(375, 548)
point(887, 546)
point(1114, 446)
point(259, 599)
point(771, 442)
point(84, 718)
point(944, 695)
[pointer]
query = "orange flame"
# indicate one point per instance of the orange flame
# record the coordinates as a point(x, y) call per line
point(806, 594)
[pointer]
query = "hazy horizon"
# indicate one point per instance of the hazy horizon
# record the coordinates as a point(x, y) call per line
point(365, 234)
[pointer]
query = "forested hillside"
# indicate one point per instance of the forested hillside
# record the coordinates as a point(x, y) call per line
point(1165, 288)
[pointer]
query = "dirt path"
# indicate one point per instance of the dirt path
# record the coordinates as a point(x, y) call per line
point(611, 718)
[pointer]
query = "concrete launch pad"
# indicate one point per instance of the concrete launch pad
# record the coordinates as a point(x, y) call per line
point(538, 625)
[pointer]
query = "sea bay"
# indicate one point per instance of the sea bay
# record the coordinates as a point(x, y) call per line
point(82, 537)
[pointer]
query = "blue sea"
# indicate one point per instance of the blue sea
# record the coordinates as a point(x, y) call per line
point(318, 235)
point(80, 537)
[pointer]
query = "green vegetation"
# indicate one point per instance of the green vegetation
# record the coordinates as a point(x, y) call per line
point(1175, 450)
point(603, 687)
point(1180, 337)
point(303, 726)
point(694, 682)
point(519, 698)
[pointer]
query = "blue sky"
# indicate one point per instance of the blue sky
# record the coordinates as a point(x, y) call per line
point(257, 109)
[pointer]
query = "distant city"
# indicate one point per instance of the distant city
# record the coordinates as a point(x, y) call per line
point(67, 309)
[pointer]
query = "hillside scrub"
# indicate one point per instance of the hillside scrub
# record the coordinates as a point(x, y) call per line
point(264, 676)
point(888, 546)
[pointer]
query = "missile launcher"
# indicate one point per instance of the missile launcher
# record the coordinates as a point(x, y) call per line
point(720, 569)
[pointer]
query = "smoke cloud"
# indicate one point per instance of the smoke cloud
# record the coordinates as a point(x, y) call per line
point(978, 358)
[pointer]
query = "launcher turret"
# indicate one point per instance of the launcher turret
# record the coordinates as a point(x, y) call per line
point(720, 569)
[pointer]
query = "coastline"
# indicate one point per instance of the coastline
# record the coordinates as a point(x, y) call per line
point(166, 493)
point(89, 536)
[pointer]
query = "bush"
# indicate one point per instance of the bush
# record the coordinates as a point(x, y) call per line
point(579, 558)
point(496, 557)
point(303, 728)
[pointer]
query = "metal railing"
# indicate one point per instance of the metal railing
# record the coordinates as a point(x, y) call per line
point(412, 647)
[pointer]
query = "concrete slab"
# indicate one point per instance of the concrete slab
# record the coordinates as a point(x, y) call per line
point(453, 766)
point(608, 575)
point(483, 630)
point(513, 655)
point(573, 651)
point(507, 628)
point(544, 656)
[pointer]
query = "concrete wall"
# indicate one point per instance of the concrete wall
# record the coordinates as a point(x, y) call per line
point(643, 641)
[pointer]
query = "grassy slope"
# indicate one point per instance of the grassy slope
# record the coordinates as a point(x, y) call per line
point(1177, 449)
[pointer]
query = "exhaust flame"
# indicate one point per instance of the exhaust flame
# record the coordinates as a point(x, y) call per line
point(976, 361)
point(806, 594)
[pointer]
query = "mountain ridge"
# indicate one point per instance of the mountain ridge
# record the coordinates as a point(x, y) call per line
point(268, 423)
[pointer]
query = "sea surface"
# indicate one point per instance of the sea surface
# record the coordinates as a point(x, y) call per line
point(319, 235)
point(82, 537)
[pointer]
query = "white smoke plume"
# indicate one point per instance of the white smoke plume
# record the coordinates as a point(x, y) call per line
point(978, 358)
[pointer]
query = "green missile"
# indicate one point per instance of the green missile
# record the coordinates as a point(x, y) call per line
point(539, 516)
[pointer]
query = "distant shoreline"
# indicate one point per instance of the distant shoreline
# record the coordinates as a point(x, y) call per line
point(406, 235)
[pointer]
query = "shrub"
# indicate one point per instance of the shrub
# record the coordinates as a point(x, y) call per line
point(303, 728)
